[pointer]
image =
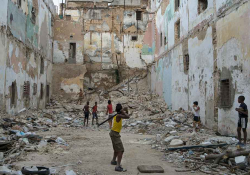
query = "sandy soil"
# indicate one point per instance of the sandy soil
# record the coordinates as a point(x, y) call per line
point(90, 152)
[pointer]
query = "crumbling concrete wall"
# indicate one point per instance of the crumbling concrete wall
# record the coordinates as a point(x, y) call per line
point(108, 37)
point(233, 61)
point(68, 79)
point(67, 32)
point(216, 50)
point(201, 65)
point(26, 42)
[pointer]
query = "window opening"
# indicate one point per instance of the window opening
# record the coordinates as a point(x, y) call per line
point(13, 93)
point(225, 93)
point(202, 6)
point(42, 66)
point(177, 31)
point(33, 15)
point(186, 62)
point(177, 5)
point(41, 91)
point(34, 89)
point(161, 39)
point(26, 89)
point(47, 91)
point(134, 38)
point(138, 15)
point(72, 50)
point(19, 3)
point(165, 40)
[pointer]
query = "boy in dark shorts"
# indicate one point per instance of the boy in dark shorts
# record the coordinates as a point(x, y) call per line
point(110, 112)
point(86, 113)
point(197, 118)
point(116, 137)
point(243, 119)
point(94, 113)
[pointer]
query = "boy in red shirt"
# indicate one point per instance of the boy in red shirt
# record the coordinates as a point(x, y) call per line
point(94, 112)
point(110, 112)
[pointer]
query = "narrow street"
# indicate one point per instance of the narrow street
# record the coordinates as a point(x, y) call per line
point(172, 76)
point(91, 151)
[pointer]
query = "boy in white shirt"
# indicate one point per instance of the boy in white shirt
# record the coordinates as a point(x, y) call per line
point(197, 119)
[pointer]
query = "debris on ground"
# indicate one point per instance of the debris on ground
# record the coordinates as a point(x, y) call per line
point(187, 149)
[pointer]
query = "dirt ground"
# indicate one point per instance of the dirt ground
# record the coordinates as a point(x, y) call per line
point(90, 152)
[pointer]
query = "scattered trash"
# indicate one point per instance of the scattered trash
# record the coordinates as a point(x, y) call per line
point(59, 140)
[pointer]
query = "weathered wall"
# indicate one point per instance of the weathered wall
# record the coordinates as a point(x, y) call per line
point(103, 38)
point(3, 56)
point(201, 85)
point(233, 57)
point(217, 49)
point(67, 79)
point(25, 41)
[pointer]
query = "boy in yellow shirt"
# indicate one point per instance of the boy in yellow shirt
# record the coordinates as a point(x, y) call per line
point(116, 137)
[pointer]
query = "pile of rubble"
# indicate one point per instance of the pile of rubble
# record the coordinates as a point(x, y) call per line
point(174, 135)
point(188, 150)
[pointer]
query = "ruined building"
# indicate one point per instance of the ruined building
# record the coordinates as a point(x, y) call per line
point(96, 42)
point(201, 53)
point(26, 47)
point(192, 50)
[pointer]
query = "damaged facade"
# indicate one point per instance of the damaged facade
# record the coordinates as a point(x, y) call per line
point(103, 38)
point(201, 53)
point(192, 50)
point(26, 53)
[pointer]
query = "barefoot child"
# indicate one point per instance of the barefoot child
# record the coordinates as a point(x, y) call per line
point(94, 113)
point(80, 94)
point(86, 113)
point(243, 119)
point(197, 119)
point(116, 137)
point(110, 112)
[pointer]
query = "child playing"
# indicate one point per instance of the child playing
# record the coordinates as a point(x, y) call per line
point(94, 112)
point(197, 119)
point(110, 112)
point(116, 137)
point(86, 113)
point(243, 119)
point(80, 94)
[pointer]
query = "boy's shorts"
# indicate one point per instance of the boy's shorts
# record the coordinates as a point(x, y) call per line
point(86, 115)
point(242, 122)
point(95, 115)
point(116, 141)
point(197, 119)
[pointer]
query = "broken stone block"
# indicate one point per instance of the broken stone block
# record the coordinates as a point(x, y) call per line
point(158, 137)
point(176, 142)
point(170, 138)
point(241, 162)
point(5, 170)
point(150, 169)
point(173, 132)
point(133, 124)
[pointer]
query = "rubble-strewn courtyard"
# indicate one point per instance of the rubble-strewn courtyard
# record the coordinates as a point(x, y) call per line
point(56, 138)
point(176, 72)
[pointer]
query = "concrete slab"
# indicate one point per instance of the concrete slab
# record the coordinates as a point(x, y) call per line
point(150, 169)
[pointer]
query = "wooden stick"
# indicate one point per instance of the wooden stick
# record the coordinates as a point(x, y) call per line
point(229, 155)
